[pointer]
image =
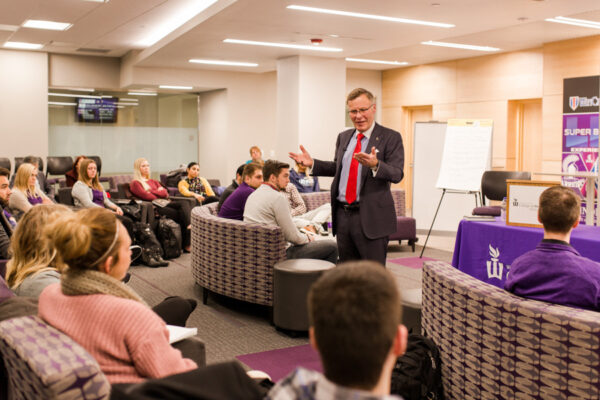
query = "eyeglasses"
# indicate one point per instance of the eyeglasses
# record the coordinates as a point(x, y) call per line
point(360, 110)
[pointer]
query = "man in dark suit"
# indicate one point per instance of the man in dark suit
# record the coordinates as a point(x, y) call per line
point(6, 227)
point(367, 159)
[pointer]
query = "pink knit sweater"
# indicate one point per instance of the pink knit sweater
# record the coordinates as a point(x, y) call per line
point(129, 341)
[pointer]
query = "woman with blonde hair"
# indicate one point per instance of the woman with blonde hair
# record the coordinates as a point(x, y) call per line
point(25, 193)
point(96, 309)
point(145, 188)
point(33, 263)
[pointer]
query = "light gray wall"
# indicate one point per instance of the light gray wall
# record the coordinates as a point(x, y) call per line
point(23, 104)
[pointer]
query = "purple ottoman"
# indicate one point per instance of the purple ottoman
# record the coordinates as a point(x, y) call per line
point(406, 229)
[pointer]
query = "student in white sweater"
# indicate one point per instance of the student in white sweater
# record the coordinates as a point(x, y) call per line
point(267, 205)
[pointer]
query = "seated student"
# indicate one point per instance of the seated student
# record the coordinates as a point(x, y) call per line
point(267, 205)
point(32, 265)
point(96, 309)
point(26, 193)
point(233, 207)
point(148, 189)
point(41, 182)
point(303, 182)
point(234, 185)
point(7, 221)
point(555, 272)
point(310, 220)
point(255, 156)
point(196, 186)
point(88, 192)
point(358, 337)
point(72, 175)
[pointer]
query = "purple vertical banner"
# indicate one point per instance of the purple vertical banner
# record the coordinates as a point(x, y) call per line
point(581, 110)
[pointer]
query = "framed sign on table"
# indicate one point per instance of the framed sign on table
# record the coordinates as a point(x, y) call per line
point(522, 201)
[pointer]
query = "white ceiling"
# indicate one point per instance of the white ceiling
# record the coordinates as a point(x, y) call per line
point(118, 26)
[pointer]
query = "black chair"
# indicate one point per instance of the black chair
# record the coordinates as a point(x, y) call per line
point(98, 162)
point(58, 165)
point(65, 197)
point(493, 186)
point(5, 163)
point(19, 161)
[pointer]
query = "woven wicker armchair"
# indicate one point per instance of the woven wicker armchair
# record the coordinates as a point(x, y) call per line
point(497, 345)
point(235, 258)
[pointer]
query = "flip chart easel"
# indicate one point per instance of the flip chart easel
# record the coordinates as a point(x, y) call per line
point(467, 154)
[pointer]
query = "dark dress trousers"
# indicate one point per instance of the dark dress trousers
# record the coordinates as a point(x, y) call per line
point(375, 219)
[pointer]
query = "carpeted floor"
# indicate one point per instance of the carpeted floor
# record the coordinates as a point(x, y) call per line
point(231, 328)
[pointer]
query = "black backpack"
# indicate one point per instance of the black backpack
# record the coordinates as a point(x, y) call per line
point(418, 373)
point(169, 235)
point(173, 177)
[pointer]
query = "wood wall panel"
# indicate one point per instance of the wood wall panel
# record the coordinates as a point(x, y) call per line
point(420, 86)
point(570, 59)
point(552, 127)
point(516, 75)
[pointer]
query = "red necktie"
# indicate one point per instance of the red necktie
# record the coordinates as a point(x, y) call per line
point(353, 173)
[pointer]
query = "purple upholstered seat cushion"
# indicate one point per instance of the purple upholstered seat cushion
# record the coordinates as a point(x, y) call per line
point(494, 211)
point(5, 292)
point(406, 228)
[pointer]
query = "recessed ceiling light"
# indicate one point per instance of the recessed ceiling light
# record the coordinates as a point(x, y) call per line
point(50, 25)
point(10, 28)
point(577, 22)
point(284, 45)
point(460, 46)
point(61, 103)
point(220, 62)
point(126, 99)
point(364, 60)
point(84, 96)
point(23, 45)
point(176, 87)
point(175, 20)
point(142, 93)
point(370, 16)
point(333, 35)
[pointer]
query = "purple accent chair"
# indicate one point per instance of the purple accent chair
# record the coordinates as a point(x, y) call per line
point(43, 363)
point(406, 227)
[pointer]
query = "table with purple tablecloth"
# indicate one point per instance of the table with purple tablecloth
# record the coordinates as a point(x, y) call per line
point(485, 250)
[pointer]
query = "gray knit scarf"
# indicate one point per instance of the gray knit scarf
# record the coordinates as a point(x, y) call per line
point(83, 282)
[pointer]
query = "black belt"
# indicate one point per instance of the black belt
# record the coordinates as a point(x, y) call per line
point(349, 207)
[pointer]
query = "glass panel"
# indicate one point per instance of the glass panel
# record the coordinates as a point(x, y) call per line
point(162, 128)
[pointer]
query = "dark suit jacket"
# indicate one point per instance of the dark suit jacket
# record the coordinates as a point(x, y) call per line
point(5, 234)
point(377, 211)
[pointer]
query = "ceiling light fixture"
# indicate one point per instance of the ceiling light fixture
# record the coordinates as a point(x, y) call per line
point(61, 103)
point(50, 25)
point(74, 89)
point(126, 99)
point(83, 96)
point(577, 22)
point(142, 93)
point(127, 104)
point(364, 60)
point(220, 62)
point(369, 16)
point(23, 45)
point(461, 46)
point(177, 19)
point(176, 87)
point(284, 45)
point(97, 1)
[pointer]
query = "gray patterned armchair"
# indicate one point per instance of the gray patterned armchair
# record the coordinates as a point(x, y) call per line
point(497, 345)
point(43, 363)
point(235, 258)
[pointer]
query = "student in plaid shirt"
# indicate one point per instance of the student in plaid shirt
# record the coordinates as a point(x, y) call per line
point(355, 314)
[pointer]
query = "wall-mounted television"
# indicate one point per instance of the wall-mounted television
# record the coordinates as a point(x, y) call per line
point(97, 110)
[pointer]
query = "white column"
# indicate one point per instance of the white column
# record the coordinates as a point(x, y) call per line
point(311, 95)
